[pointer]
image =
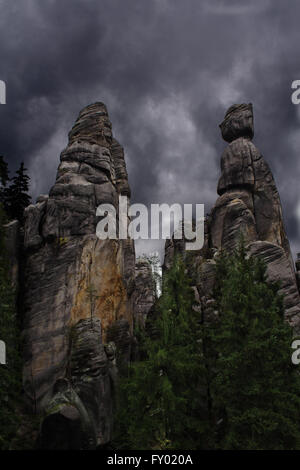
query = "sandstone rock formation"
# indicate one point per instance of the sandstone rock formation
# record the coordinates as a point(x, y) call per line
point(75, 282)
point(79, 416)
point(249, 204)
point(144, 293)
point(82, 297)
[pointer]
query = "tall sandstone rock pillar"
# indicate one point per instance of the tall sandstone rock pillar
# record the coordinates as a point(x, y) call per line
point(249, 204)
point(77, 286)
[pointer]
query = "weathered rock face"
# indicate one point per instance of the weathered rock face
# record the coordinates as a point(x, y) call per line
point(238, 122)
point(249, 204)
point(13, 246)
point(79, 416)
point(72, 277)
point(144, 293)
point(280, 269)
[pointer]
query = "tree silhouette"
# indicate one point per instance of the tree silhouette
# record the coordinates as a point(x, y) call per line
point(16, 197)
point(4, 178)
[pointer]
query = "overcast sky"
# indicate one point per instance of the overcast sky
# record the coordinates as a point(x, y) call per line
point(167, 71)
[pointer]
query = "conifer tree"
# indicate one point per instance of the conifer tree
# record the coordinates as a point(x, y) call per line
point(16, 197)
point(255, 388)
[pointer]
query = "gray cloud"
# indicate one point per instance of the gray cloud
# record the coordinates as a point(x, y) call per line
point(167, 70)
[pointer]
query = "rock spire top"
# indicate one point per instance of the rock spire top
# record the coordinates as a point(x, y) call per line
point(238, 122)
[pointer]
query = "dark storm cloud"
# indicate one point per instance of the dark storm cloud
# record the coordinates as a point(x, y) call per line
point(167, 70)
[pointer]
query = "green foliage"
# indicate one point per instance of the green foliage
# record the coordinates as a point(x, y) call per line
point(62, 241)
point(15, 197)
point(161, 400)
point(227, 384)
point(254, 387)
point(10, 374)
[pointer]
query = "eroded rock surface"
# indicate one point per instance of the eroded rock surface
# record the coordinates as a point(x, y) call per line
point(72, 277)
point(83, 296)
point(144, 294)
point(249, 204)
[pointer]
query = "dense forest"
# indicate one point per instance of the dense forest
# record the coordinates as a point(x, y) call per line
point(223, 384)
point(14, 198)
